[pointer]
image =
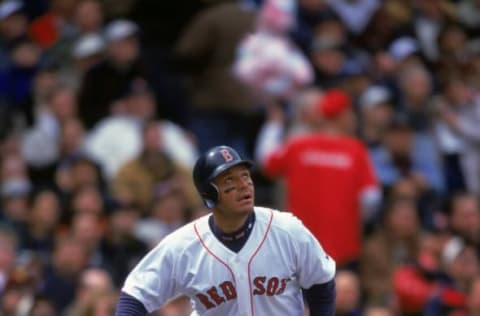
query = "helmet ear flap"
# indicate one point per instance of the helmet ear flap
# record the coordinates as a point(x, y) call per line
point(210, 196)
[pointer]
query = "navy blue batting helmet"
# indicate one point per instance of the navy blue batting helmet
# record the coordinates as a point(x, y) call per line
point(209, 165)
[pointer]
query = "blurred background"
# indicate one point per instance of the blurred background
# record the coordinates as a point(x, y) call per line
point(105, 105)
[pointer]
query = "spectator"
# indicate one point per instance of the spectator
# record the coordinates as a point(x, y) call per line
point(39, 233)
point(460, 263)
point(304, 118)
point(390, 20)
point(473, 300)
point(15, 189)
point(93, 282)
point(329, 59)
point(427, 24)
point(72, 140)
point(120, 248)
point(309, 15)
point(168, 212)
point(376, 111)
point(464, 217)
point(13, 27)
point(104, 83)
point(79, 182)
point(40, 144)
point(310, 164)
point(348, 294)
point(453, 50)
point(223, 108)
point(416, 282)
point(16, 82)
point(415, 88)
point(88, 229)
point(137, 180)
point(88, 16)
point(396, 242)
point(53, 26)
point(86, 52)
point(87, 199)
point(405, 154)
point(274, 76)
point(132, 112)
point(61, 276)
point(460, 117)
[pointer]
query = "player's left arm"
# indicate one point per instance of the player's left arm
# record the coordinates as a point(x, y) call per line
point(152, 282)
point(315, 271)
point(128, 305)
point(321, 299)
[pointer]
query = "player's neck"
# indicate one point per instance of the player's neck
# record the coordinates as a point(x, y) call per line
point(229, 224)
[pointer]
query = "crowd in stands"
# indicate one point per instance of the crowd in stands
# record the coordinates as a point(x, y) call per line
point(105, 105)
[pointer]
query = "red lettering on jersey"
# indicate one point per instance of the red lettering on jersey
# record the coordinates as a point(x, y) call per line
point(205, 301)
point(272, 286)
point(228, 290)
point(259, 287)
point(214, 295)
point(226, 155)
point(283, 285)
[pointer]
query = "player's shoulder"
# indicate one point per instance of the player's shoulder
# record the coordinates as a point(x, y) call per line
point(284, 221)
point(183, 237)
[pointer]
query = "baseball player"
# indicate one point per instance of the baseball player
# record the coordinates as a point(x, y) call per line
point(239, 260)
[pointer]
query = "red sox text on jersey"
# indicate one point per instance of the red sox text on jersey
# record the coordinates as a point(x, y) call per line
point(226, 291)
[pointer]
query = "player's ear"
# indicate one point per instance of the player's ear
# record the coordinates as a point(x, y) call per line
point(210, 196)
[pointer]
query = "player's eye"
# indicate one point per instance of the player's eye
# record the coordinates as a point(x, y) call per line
point(229, 189)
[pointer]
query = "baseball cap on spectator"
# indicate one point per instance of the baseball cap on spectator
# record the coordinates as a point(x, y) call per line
point(403, 47)
point(374, 95)
point(10, 7)
point(88, 45)
point(120, 29)
point(333, 103)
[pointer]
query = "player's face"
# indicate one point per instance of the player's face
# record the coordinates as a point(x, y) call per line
point(236, 191)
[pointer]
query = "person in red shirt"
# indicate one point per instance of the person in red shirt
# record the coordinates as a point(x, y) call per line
point(328, 173)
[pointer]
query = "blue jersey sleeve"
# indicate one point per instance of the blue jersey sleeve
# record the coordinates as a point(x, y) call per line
point(129, 306)
point(321, 299)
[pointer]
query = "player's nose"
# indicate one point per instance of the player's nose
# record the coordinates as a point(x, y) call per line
point(245, 182)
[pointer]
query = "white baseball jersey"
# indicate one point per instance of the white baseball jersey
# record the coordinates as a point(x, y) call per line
point(264, 278)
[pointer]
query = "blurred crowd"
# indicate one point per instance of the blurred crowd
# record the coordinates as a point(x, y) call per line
point(105, 105)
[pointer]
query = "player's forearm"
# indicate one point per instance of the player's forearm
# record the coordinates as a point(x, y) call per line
point(129, 306)
point(321, 299)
